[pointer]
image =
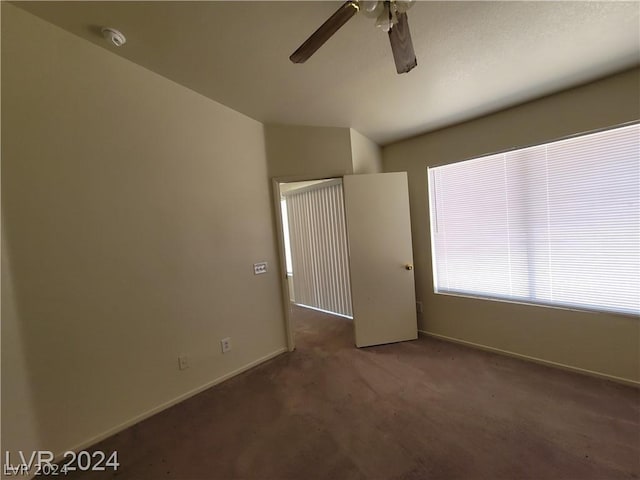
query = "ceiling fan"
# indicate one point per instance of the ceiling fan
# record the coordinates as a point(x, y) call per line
point(391, 17)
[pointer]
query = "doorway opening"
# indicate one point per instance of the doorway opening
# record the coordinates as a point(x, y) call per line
point(315, 247)
point(373, 277)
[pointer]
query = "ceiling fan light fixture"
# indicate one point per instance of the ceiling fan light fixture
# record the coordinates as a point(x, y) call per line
point(385, 19)
point(371, 8)
point(403, 5)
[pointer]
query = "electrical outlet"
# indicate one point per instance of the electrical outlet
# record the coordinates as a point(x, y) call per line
point(419, 307)
point(225, 343)
point(183, 362)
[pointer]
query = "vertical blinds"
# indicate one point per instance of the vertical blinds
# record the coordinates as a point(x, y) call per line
point(319, 247)
point(553, 224)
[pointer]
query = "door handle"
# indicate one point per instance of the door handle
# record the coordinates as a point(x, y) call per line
point(408, 266)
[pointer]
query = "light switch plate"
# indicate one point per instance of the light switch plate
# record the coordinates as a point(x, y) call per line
point(259, 268)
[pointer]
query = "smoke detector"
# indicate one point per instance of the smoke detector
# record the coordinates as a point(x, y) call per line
point(114, 36)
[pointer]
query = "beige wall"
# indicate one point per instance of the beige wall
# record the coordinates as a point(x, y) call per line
point(133, 210)
point(303, 152)
point(19, 423)
point(366, 156)
point(308, 152)
point(602, 343)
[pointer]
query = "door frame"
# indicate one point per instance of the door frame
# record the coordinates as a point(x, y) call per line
point(286, 302)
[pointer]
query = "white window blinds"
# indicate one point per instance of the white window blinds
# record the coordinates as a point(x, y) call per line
point(555, 224)
point(319, 252)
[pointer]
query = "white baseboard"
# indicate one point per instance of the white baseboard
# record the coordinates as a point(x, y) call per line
point(149, 413)
point(541, 361)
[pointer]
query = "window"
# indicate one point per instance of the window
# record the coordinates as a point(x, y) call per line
point(554, 224)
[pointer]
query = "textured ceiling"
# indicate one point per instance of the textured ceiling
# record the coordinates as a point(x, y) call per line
point(473, 57)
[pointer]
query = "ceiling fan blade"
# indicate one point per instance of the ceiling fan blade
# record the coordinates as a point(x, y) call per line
point(324, 33)
point(402, 46)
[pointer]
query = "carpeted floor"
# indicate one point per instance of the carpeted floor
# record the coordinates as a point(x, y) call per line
point(416, 410)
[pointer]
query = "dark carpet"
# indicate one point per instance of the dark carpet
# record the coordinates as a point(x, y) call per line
point(424, 409)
